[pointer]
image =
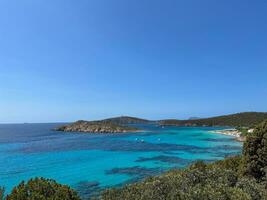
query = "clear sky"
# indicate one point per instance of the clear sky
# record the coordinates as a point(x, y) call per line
point(63, 60)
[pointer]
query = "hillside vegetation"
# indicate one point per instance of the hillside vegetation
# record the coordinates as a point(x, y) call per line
point(127, 120)
point(41, 189)
point(246, 119)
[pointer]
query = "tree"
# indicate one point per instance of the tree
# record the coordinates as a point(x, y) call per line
point(42, 189)
point(255, 152)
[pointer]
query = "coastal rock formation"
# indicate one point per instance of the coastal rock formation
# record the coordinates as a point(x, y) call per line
point(96, 127)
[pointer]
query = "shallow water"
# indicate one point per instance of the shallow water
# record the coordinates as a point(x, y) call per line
point(91, 162)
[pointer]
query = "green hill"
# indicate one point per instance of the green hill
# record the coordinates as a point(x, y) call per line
point(127, 120)
point(247, 119)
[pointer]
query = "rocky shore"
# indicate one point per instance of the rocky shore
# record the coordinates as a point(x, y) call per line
point(232, 132)
point(96, 127)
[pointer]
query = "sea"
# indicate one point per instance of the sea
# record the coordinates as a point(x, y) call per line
point(90, 163)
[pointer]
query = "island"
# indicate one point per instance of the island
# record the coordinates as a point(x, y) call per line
point(102, 126)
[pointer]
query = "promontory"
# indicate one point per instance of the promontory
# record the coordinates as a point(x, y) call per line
point(103, 126)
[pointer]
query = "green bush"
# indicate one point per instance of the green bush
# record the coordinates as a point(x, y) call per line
point(253, 188)
point(220, 180)
point(42, 189)
point(255, 152)
point(235, 163)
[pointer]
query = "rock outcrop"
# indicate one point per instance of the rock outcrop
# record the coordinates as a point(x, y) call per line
point(96, 127)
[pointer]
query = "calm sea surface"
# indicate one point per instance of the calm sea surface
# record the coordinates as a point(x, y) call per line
point(91, 162)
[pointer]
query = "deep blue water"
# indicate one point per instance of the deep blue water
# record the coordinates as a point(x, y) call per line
point(91, 162)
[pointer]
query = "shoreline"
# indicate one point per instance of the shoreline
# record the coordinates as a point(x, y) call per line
point(230, 132)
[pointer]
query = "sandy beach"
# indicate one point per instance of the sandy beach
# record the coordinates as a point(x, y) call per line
point(232, 132)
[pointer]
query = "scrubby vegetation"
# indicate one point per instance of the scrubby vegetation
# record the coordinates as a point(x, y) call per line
point(246, 119)
point(241, 177)
point(220, 180)
point(243, 131)
point(124, 120)
point(255, 153)
point(42, 189)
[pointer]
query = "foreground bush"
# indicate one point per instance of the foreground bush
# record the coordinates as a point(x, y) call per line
point(255, 153)
point(199, 182)
point(42, 189)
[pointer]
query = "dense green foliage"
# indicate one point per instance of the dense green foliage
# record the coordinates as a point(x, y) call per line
point(243, 131)
point(255, 152)
point(42, 189)
point(247, 119)
point(220, 180)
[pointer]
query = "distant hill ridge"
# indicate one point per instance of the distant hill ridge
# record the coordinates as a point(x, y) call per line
point(127, 120)
point(120, 124)
point(191, 118)
point(239, 119)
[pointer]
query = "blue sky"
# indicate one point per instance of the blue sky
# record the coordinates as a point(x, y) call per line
point(63, 60)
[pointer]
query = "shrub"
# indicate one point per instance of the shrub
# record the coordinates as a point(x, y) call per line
point(255, 152)
point(42, 189)
point(220, 180)
point(235, 163)
point(255, 190)
point(197, 182)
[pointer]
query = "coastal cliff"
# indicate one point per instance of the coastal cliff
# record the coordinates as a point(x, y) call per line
point(96, 127)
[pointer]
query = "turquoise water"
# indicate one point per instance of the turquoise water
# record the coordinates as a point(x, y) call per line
point(91, 162)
